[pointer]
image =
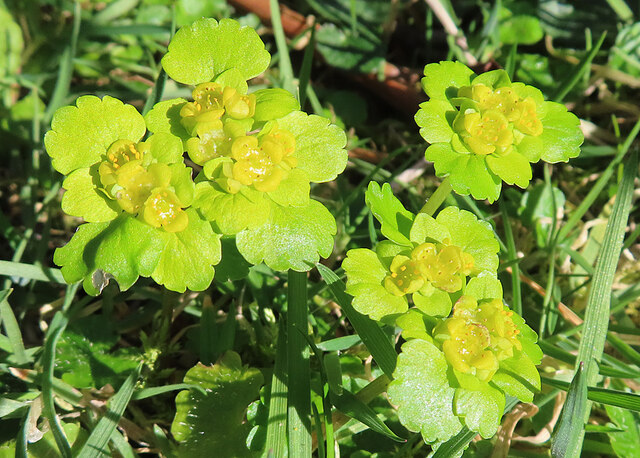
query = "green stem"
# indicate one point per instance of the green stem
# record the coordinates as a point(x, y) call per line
point(283, 50)
point(299, 409)
point(437, 198)
point(516, 288)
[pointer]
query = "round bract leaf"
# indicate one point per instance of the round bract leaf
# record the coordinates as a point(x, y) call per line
point(188, 257)
point(274, 103)
point(292, 238)
point(422, 393)
point(83, 199)
point(81, 134)
point(200, 52)
point(473, 236)
point(480, 410)
point(122, 249)
point(231, 213)
point(165, 117)
point(442, 80)
point(561, 135)
point(319, 145)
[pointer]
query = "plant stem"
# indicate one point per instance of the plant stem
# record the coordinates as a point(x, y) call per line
point(436, 199)
point(299, 409)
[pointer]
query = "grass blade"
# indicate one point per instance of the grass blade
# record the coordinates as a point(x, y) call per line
point(568, 432)
point(56, 328)
point(596, 318)
point(12, 328)
point(276, 442)
point(156, 390)
point(283, 50)
point(30, 271)
point(299, 407)
point(63, 82)
point(516, 286)
point(96, 444)
point(623, 399)
point(583, 66)
point(369, 331)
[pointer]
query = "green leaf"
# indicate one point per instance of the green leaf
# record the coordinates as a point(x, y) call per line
point(480, 410)
point(165, 117)
point(319, 145)
point(11, 45)
point(350, 50)
point(84, 357)
point(205, 49)
point(215, 421)
point(188, 257)
point(441, 81)
point(513, 168)
point(80, 135)
point(231, 213)
point(350, 405)
point(484, 286)
point(433, 122)
point(83, 199)
point(476, 179)
point(413, 325)
point(561, 135)
point(376, 301)
point(124, 249)
point(232, 266)
point(292, 237)
point(99, 438)
point(473, 236)
point(567, 435)
point(369, 331)
point(274, 103)
point(625, 443)
point(422, 393)
point(233, 78)
point(394, 219)
point(165, 147)
point(433, 301)
point(293, 191)
point(521, 28)
point(365, 274)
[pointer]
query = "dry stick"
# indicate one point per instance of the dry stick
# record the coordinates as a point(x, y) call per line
point(452, 29)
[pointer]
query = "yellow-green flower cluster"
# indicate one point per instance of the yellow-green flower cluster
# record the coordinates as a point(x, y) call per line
point(478, 336)
point(485, 129)
point(141, 187)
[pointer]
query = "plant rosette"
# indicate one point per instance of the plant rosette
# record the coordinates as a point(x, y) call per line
point(136, 197)
point(485, 129)
point(425, 262)
point(457, 370)
point(258, 152)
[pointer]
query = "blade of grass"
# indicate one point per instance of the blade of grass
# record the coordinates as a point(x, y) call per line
point(596, 318)
point(57, 326)
point(276, 442)
point(369, 331)
point(96, 444)
point(623, 399)
point(598, 186)
point(299, 406)
point(512, 255)
point(566, 439)
point(30, 271)
point(283, 50)
point(583, 66)
point(114, 10)
point(63, 82)
point(156, 390)
point(12, 328)
point(305, 70)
